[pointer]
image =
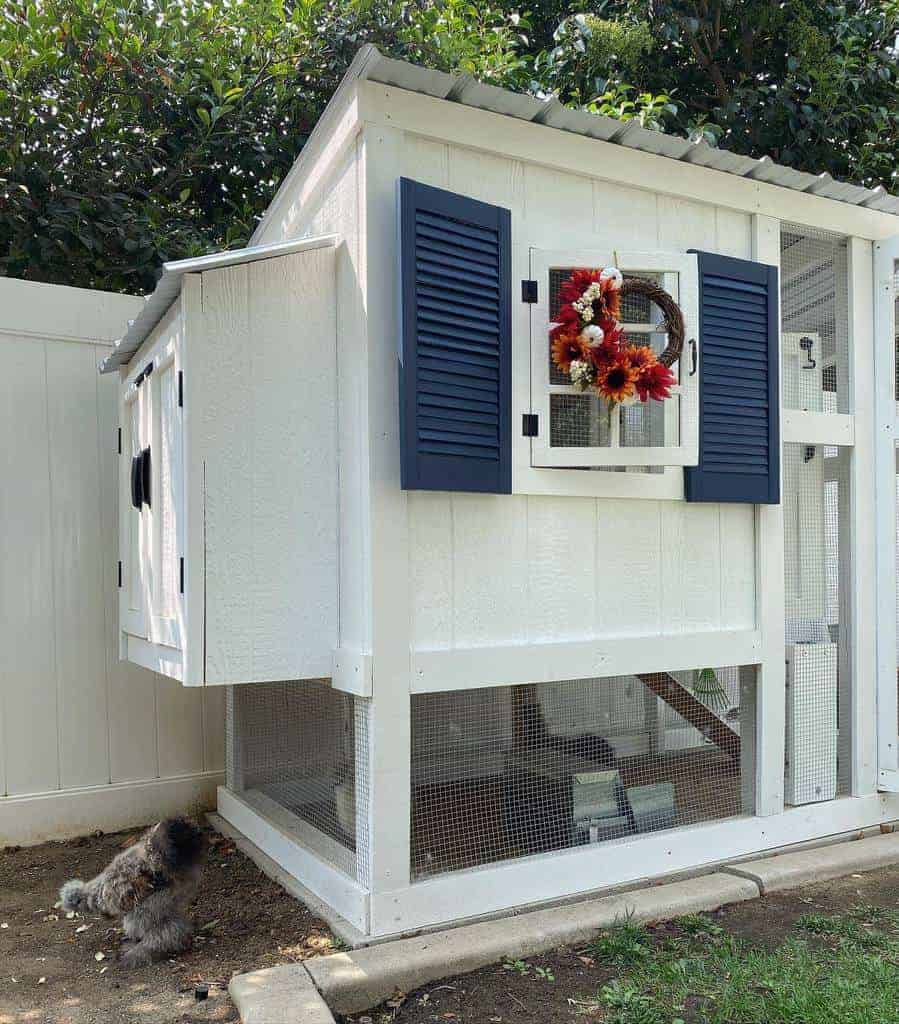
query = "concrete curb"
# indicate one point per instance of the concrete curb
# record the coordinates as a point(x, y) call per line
point(278, 995)
point(363, 978)
point(789, 870)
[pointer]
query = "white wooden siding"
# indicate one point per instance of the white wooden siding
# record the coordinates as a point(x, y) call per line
point(534, 569)
point(265, 434)
point(336, 209)
point(72, 716)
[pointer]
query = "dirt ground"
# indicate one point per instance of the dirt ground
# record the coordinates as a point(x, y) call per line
point(55, 970)
point(545, 989)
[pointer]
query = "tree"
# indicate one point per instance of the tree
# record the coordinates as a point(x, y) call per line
point(133, 131)
point(811, 84)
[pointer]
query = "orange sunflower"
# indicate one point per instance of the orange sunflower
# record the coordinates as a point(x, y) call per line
point(566, 348)
point(617, 382)
point(641, 356)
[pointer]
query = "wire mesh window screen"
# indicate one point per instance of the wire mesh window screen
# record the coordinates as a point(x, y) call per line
point(817, 626)
point(298, 753)
point(814, 274)
point(506, 772)
point(582, 420)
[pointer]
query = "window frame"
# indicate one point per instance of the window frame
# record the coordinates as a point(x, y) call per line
point(679, 273)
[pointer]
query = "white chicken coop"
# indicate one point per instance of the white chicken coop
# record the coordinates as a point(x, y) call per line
point(492, 637)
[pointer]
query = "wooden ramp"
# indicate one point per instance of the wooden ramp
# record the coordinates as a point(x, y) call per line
point(678, 697)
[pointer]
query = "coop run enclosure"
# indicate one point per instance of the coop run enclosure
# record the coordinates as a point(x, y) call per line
point(531, 483)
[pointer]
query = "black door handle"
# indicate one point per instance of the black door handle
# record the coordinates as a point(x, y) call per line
point(136, 495)
point(145, 476)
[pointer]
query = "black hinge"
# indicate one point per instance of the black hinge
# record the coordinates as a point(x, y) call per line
point(120, 440)
point(142, 376)
point(180, 389)
point(529, 291)
point(120, 575)
point(529, 424)
point(181, 578)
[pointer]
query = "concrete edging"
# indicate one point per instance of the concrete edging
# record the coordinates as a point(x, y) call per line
point(789, 870)
point(278, 995)
point(362, 978)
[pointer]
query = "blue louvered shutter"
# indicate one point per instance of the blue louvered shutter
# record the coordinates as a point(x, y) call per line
point(739, 428)
point(455, 348)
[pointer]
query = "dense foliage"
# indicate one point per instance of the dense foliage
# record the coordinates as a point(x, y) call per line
point(133, 131)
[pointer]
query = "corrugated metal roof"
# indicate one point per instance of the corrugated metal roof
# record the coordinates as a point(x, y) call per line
point(372, 65)
point(169, 287)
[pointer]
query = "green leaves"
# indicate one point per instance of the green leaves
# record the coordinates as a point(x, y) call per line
point(132, 133)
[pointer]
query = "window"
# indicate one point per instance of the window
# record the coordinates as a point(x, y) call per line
point(579, 430)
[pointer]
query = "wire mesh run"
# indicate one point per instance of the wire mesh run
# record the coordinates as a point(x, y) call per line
point(814, 273)
point(817, 633)
point(298, 753)
point(506, 772)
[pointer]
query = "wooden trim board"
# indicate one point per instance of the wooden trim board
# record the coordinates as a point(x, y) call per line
point(66, 813)
point(474, 667)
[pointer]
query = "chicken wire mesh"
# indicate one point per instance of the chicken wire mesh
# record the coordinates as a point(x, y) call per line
point(814, 274)
point(298, 753)
point(816, 628)
point(505, 772)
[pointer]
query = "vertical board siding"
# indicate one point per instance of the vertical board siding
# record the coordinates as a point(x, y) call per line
point(132, 751)
point(561, 602)
point(73, 715)
point(269, 450)
point(79, 619)
point(531, 569)
point(28, 667)
point(630, 561)
point(336, 209)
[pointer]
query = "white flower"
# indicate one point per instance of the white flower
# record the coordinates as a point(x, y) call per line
point(593, 335)
point(612, 274)
point(587, 314)
point(581, 374)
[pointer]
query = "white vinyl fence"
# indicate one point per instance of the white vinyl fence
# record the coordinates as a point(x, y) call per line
point(86, 741)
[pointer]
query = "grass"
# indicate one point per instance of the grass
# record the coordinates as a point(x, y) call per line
point(833, 970)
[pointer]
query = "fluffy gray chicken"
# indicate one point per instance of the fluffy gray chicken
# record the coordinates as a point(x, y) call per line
point(150, 886)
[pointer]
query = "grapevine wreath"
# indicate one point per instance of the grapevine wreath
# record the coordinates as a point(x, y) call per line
point(588, 341)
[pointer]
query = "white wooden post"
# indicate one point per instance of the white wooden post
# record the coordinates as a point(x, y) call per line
point(389, 724)
point(863, 611)
point(886, 255)
point(769, 520)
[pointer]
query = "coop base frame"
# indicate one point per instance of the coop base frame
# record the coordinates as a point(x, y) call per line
point(466, 895)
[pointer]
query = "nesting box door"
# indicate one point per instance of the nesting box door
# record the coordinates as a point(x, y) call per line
point(152, 497)
point(166, 520)
point(133, 533)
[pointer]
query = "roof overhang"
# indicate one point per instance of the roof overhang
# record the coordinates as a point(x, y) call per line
point(371, 65)
point(168, 288)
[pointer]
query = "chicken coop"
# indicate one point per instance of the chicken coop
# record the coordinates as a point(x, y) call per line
point(530, 482)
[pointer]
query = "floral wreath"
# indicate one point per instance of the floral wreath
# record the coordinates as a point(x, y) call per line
point(588, 342)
